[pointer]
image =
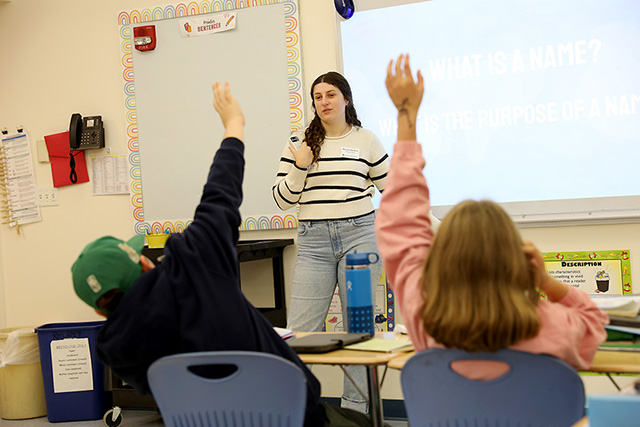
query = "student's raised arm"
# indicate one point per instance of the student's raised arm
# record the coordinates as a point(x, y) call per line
point(403, 223)
point(213, 234)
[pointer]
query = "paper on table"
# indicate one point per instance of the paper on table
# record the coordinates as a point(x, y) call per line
point(625, 305)
point(382, 345)
point(284, 333)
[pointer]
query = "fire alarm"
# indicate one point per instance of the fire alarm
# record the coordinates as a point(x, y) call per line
point(144, 38)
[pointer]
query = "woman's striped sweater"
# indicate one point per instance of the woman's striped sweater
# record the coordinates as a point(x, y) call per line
point(341, 184)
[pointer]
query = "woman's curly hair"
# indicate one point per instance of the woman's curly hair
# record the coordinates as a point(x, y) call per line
point(315, 132)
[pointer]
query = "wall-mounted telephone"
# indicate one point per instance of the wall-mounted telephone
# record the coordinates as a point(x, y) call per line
point(86, 133)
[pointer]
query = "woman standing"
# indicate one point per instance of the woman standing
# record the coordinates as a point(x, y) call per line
point(331, 170)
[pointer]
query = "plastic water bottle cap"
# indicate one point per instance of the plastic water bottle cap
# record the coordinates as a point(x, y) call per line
point(363, 258)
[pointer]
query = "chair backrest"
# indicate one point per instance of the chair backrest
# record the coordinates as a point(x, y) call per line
point(538, 390)
point(228, 388)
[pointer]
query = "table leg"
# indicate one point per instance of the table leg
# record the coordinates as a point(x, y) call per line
point(375, 401)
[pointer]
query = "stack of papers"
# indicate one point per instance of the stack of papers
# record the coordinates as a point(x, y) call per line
point(623, 305)
point(284, 333)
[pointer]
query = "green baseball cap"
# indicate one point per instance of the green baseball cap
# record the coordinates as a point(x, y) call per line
point(106, 264)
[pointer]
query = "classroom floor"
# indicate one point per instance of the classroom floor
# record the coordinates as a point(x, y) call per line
point(131, 418)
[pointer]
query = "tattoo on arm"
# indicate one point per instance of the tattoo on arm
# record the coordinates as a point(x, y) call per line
point(402, 111)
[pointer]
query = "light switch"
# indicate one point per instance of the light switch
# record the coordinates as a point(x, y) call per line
point(43, 154)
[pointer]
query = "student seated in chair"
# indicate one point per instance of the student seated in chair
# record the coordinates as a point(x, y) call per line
point(192, 301)
point(476, 285)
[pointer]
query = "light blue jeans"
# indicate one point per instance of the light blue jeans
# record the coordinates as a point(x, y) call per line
point(320, 267)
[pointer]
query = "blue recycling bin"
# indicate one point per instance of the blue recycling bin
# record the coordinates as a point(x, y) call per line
point(74, 379)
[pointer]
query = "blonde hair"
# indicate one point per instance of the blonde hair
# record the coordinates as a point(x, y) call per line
point(479, 289)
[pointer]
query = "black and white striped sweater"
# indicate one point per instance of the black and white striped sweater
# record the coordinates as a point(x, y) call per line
point(341, 184)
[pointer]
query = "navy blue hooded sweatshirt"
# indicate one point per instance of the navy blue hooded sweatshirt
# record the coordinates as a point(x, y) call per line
point(192, 301)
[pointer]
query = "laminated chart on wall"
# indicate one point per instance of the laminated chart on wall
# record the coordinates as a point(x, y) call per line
point(604, 272)
point(17, 181)
point(109, 175)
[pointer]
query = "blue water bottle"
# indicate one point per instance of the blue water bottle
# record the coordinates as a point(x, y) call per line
point(359, 299)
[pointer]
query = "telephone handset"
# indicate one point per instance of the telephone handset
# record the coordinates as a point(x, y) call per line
point(86, 133)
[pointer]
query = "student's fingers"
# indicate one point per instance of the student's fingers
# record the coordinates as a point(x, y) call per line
point(398, 68)
point(222, 96)
point(420, 81)
point(220, 93)
point(407, 67)
point(536, 264)
point(528, 248)
point(216, 96)
point(533, 255)
point(388, 82)
point(217, 89)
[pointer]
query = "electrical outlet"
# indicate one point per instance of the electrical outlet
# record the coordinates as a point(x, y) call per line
point(48, 196)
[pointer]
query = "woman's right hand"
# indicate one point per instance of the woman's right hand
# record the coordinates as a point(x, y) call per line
point(303, 155)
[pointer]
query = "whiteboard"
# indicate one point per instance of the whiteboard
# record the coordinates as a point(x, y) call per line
point(534, 104)
point(178, 130)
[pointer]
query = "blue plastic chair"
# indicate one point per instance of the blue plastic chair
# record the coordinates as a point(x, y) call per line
point(228, 388)
point(538, 390)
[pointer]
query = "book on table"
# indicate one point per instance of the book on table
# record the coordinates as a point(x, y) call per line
point(382, 345)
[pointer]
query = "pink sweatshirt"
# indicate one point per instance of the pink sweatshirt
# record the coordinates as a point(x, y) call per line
point(571, 328)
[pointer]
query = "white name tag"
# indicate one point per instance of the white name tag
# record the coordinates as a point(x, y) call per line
point(351, 153)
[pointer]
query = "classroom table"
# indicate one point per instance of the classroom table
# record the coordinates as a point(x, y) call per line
point(370, 359)
point(618, 362)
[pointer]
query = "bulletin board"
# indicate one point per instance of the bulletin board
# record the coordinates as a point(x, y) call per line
point(173, 130)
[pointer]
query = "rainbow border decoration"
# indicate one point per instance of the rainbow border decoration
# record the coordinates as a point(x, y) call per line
point(294, 66)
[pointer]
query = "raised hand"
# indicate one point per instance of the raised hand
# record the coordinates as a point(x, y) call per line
point(406, 95)
point(229, 110)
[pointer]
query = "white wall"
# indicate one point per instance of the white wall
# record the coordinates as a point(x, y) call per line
point(57, 58)
point(64, 57)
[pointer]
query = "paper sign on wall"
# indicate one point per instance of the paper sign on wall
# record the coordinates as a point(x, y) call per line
point(71, 365)
point(109, 175)
point(596, 273)
point(209, 25)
